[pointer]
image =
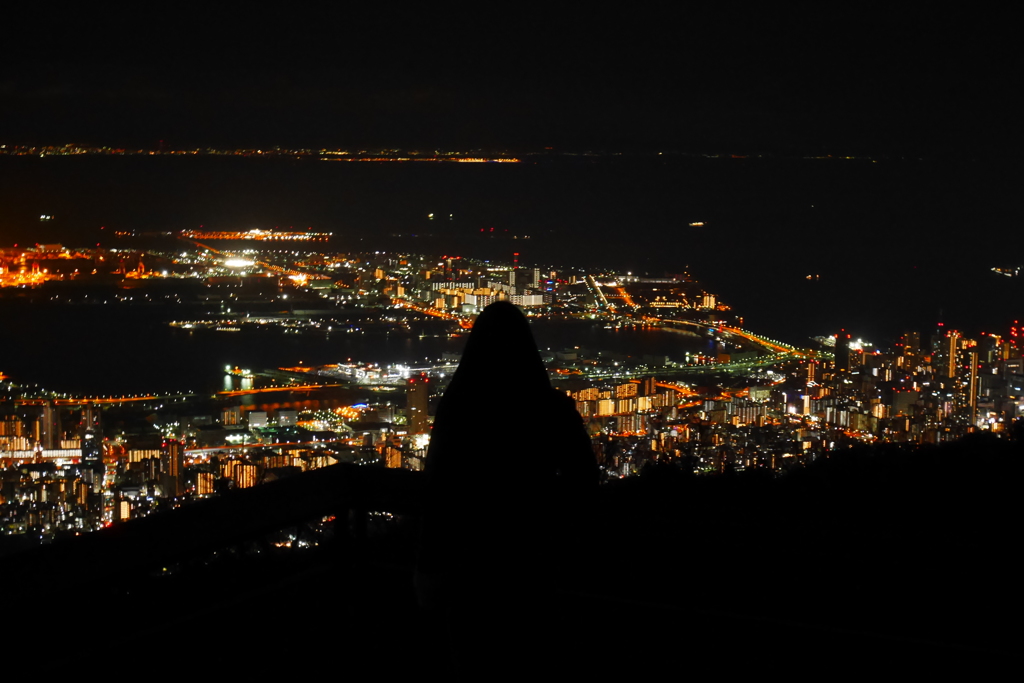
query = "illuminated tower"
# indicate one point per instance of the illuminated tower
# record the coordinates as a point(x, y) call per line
point(417, 397)
point(972, 388)
point(953, 338)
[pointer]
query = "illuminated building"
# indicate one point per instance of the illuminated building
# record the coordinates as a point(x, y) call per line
point(314, 461)
point(204, 483)
point(393, 457)
point(227, 468)
point(150, 469)
point(172, 466)
point(13, 435)
point(417, 399)
point(231, 415)
point(140, 454)
point(280, 460)
point(529, 300)
point(245, 475)
point(82, 494)
point(92, 451)
point(626, 390)
point(972, 387)
point(49, 425)
point(952, 346)
point(911, 344)
point(91, 417)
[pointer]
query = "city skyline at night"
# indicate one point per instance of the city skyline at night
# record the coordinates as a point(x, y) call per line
point(425, 341)
point(722, 397)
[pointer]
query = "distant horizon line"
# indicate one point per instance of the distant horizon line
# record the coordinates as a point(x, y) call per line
point(399, 153)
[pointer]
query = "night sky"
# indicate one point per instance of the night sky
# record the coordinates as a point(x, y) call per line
point(493, 77)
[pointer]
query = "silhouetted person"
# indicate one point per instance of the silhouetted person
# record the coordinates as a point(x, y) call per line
point(508, 466)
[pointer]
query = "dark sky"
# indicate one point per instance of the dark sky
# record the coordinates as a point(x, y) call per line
point(493, 77)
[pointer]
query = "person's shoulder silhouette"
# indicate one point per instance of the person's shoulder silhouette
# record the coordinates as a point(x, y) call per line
point(507, 454)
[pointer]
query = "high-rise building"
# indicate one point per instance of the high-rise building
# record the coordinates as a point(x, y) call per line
point(911, 344)
point(92, 451)
point(49, 425)
point(952, 347)
point(417, 400)
point(172, 467)
point(972, 387)
point(843, 350)
point(91, 417)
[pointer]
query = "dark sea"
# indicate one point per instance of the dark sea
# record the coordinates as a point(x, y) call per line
point(890, 245)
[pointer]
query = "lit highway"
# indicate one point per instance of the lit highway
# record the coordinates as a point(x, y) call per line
point(209, 450)
point(107, 400)
point(287, 387)
point(465, 322)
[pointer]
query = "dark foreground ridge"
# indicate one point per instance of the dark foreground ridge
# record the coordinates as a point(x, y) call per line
point(875, 559)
